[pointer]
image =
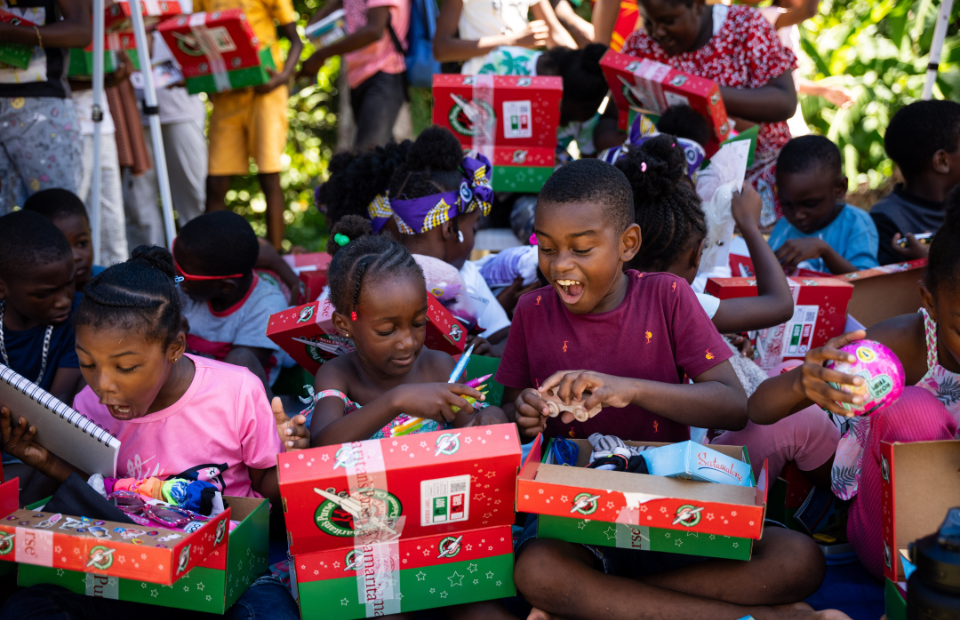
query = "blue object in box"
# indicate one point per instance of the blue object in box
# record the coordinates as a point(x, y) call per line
point(692, 461)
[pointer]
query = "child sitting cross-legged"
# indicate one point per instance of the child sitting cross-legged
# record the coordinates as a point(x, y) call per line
point(229, 305)
point(818, 230)
point(172, 412)
point(633, 336)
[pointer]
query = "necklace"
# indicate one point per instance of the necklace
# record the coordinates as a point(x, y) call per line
point(46, 345)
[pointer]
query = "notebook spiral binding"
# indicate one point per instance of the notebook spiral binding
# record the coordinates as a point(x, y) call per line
point(52, 403)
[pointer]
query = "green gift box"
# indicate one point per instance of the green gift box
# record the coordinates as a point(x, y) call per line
point(212, 586)
point(246, 77)
point(81, 62)
point(16, 54)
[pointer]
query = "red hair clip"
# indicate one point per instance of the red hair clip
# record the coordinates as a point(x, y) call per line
point(353, 315)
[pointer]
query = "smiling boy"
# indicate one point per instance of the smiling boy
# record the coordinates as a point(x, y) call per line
point(819, 231)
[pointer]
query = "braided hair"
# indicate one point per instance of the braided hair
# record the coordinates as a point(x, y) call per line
point(432, 166)
point(362, 254)
point(138, 294)
point(356, 178)
point(667, 208)
point(943, 267)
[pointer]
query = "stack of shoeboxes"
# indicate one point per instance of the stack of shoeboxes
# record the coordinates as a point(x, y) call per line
point(512, 120)
point(644, 85)
point(217, 51)
point(206, 570)
point(401, 524)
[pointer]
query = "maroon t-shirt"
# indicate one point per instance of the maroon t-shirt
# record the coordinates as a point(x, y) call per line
point(659, 332)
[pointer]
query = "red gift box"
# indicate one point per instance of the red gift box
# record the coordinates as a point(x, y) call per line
point(209, 43)
point(649, 86)
point(295, 329)
point(920, 484)
point(311, 268)
point(116, 17)
point(884, 292)
point(409, 486)
point(526, 109)
point(819, 314)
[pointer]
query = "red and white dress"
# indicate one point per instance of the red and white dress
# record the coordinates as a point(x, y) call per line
point(744, 52)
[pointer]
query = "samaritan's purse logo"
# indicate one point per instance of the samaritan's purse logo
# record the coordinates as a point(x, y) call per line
point(688, 515)
point(378, 507)
point(306, 314)
point(585, 503)
point(6, 543)
point(448, 444)
point(460, 121)
point(101, 558)
point(449, 547)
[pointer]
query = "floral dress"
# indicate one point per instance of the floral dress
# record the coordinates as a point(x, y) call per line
point(744, 52)
point(945, 385)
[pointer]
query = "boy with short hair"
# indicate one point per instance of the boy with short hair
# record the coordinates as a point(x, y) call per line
point(252, 122)
point(37, 340)
point(228, 305)
point(818, 230)
point(649, 330)
point(923, 139)
point(67, 212)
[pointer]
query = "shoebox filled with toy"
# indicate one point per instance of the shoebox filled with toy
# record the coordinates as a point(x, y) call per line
point(512, 120)
point(403, 523)
point(203, 568)
point(676, 498)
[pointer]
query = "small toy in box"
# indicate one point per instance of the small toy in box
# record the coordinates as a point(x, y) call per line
point(692, 461)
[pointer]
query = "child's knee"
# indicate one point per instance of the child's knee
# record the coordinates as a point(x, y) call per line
point(801, 564)
point(536, 572)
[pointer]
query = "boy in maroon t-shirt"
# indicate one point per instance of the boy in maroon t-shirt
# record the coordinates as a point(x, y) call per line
point(636, 336)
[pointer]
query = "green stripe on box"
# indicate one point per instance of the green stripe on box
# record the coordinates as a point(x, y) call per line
point(894, 605)
point(81, 62)
point(604, 534)
point(238, 78)
point(16, 54)
point(440, 585)
point(527, 179)
point(248, 553)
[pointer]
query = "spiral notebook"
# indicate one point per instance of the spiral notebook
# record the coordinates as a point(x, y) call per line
point(61, 429)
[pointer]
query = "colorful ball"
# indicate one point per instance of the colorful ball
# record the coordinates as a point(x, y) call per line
point(881, 371)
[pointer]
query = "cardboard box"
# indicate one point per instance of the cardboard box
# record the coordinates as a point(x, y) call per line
point(420, 573)
point(819, 306)
point(15, 54)
point(311, 268)
point(689, 460)
point(895, 600)
point(213, 585)
point(60, 547)
point(526, 113)
point(638, 511)
point(116, 17)
point(427, 484)
point(646, 85)
point(217, 51)
point(887, 291)
point(294, 328)
point(920, 484)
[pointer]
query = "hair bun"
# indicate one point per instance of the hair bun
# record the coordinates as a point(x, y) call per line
point(437, 149)
point(349, 228)
point(156, 257)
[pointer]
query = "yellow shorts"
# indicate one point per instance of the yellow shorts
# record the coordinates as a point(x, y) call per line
point(245, 124)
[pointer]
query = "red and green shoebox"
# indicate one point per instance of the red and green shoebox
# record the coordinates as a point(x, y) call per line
point(15, 54)
point(638, 511)
point(920, 484)
point(439, 483)
point(646, 85)
point(311, 268)
point(217, 51)
point(405, 575)
point(886, 291)
point(819, 314)
point(895, 600)
point(212, 584)
point(293, 328)
point(116, 17)
point(526, 113)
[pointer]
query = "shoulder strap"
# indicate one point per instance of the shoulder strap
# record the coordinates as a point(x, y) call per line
point(393, 37)
point(334, 394)
point(930, 335)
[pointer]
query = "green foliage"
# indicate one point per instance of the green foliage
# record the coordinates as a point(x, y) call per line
point(879, 50)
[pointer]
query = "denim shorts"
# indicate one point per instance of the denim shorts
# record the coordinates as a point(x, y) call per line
point(632, 563)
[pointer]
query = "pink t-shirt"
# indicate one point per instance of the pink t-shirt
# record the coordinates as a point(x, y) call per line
point(659, 332)
point(382, 55)
point(224, 418)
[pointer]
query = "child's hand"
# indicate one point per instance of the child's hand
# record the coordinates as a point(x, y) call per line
point(746, 207)
point(488, 416)
point(534, 34)
point(531, 412)
point(606, 390)
point(795, 251)
point(480, 345)
point(293, 431)
point(434, 400)
point(814, 380)
point(914, 250)
point(18, 441)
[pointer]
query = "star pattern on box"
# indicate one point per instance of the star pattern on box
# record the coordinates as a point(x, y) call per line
point(582, 524)
point(432, 590)
point(643, 508)
point(344, 602)
point(209, 598)
point(709, 516)
point(336, 564)
point(421, 576)
point(476, 581)
point(59, 572)
point(426, 553)
point(325, 458)
point(468, 440)
point(610, 533)
point(490, 575)
point(58, 549)
point(694, 534)
point(678, 542)
point(736, 545)
point(443, 595)
point(154, 593)
point(472, 567)
point(186, 588)
point(143, 585)
point(200, 586)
